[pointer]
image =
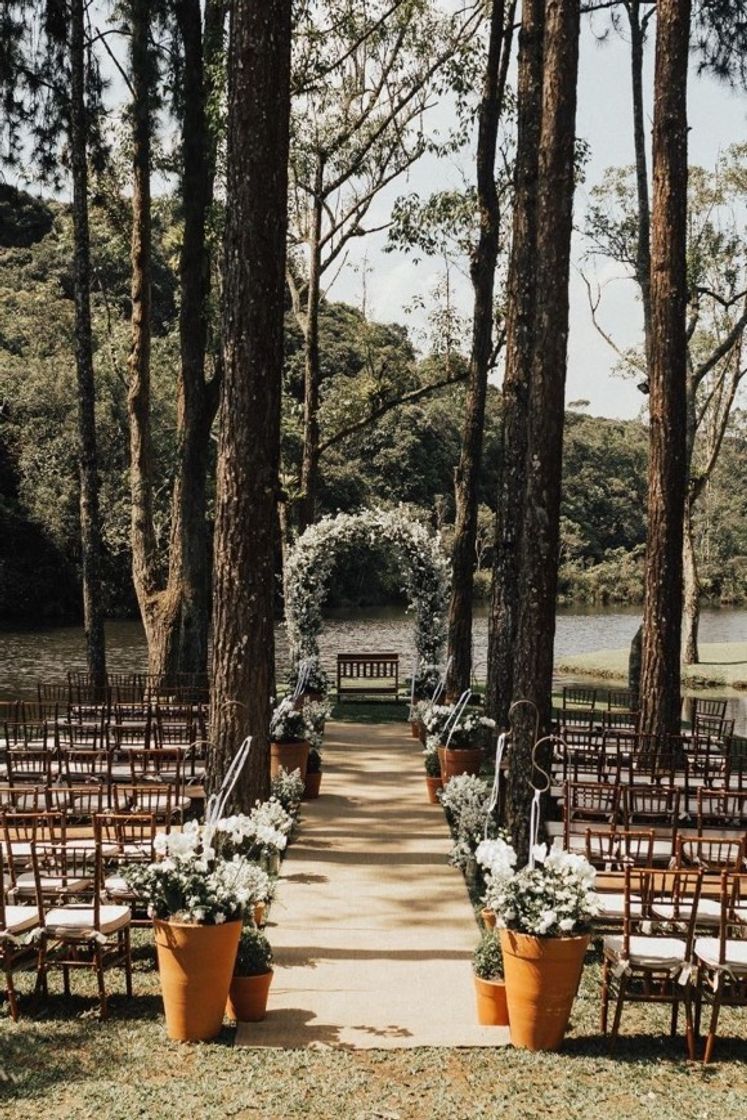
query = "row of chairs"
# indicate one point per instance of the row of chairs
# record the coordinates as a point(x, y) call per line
point(66, 902)
point(658, 957)
point(83, 801)
point(590, 707)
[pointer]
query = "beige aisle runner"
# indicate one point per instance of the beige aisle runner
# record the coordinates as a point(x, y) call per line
point(372, 930)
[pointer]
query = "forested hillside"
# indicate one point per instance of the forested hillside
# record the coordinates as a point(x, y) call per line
point(374, 449)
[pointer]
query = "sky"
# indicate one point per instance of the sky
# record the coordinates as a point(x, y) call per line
point(718, 118)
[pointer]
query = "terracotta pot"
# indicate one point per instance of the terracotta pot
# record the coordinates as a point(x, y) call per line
point(312, 782)
point(542, 977)
point(247, 998)
point(195, 965)
point(440, 752)
point(289, 756)
point(260, 913)
point(434, 785)
point(415, 728)
point(492, 1010)
point(467, 760)
point(488, 918)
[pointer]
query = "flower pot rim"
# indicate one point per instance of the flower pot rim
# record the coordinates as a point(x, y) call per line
point(498, 981)
point(289, 742)
point(544, 936)
point(253, 975)
point(198, 925)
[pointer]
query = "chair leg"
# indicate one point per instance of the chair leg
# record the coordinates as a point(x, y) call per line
point(618, 1012)
point(675, 1016)
point(605, 994)
point(66, 981)
point(711, 1038)
point(128, 961)
point(10, 991)
point(100, 978)
point(689, 1032)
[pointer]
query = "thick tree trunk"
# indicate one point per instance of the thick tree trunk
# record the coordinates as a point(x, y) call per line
point(691, 598)
point(540, 538)
point(145, 567)
point(90, 519)
point(660, 679)
point(643, 254)
point(482, 270)
point(249, 429)
point(310, 461)
point(175, 605)
point(522, 279)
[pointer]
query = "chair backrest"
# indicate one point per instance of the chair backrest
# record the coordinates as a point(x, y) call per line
point(150, 798)
point(21, 830)
point(86, 766)
point(621, 717)
point(23, 798)
point(574, 697)
point(735, 749)
point(733, 895)
point(161, 765)
point(724, 809)
point(623, 698)
point(677, 889)
point(710, 853)
point(615, 849)
point(68, 873)
point(130, 733)
point(79, 801)
point(3, 913)
point(652, 805)
point(132, 833)
point(592, 801)
point(28, 766)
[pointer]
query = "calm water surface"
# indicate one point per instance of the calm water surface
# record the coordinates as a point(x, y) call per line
point(29, 656)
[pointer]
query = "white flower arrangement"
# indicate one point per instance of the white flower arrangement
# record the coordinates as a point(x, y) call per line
point(195, 884)
point(316, 713)
point(263, 832)
point(288, 789)
point(466, 799)
point(434, 717)
point(417, 552)
point(287, 723)
point(555, 898)
point(467, 730)
point(315, 676)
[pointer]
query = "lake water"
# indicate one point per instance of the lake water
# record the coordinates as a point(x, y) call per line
point(29, 656)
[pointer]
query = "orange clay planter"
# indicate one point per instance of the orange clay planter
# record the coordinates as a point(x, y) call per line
point(415, 728)
point(312, 785)
point(195, 965)
point(488, 918)
point(289, 756)
point(542, 976)
point(492, 1010)
point(434, 785)
point(466, 760)
point(247, 998)
point(260, 913)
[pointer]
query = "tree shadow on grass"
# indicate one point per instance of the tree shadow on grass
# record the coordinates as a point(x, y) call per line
point(643, 1047)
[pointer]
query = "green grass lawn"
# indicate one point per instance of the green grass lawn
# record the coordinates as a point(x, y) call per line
point(62, 1062)
point(722, 665)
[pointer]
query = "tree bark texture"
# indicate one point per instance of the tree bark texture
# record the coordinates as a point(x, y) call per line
point(90, 518)
point(540, 538)
point(522, 279)
point(643, 253)
point(175, 603)
point(249, 427)
point(660, 678)
point(312, 373)
point(482, 271)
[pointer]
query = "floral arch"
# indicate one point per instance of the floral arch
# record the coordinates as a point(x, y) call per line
point(416, 551)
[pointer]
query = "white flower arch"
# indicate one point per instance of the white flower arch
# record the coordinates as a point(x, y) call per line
point(417, 552)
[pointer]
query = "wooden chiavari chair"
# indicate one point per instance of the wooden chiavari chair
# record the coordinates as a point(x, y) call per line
point(127, 838)
point(584, 802)
point(722, 960)
point(16, 921)
point(611, 850)
point(20, 832)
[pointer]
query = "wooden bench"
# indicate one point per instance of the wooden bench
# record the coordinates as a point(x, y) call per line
point(367, 674)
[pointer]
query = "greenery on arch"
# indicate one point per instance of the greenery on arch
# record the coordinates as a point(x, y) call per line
point(416, 551)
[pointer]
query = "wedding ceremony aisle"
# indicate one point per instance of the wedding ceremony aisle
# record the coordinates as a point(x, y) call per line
point(372, 931)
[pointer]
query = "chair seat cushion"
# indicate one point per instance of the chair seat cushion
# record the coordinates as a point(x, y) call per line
point(709, 912)
point(25, 884)
point(612, 906)
point(707, 951)
point(648, 952)
point(78, 921)
point(160, 803)
point(18, 919)
point(117, 884)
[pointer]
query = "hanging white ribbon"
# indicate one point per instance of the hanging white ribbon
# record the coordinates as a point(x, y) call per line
point(456, 715)
point(534, 824)
point(304, 672)
point(438, 690)
point(412, 687)
point(499, 749)
point(217, 801)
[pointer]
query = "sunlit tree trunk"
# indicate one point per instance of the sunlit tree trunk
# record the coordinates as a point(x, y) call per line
point(249, 425)
point(482, 271)
point(660, 678)
point(540, 538)
point(90, 518)
point(522, 279)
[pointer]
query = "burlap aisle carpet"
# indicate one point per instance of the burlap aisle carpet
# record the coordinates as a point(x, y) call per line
point(372, 930)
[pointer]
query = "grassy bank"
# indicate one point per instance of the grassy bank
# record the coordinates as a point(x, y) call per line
point(722, 665)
